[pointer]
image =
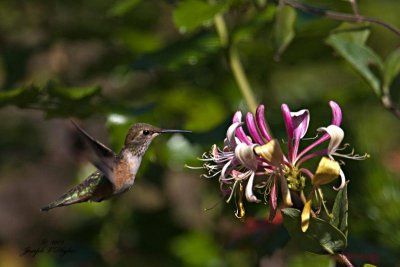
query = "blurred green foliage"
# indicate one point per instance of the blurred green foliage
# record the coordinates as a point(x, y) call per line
point(118, 62)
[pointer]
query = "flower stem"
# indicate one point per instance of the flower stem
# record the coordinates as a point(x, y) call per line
point(235, 64)
point(321, 198)
point(390, 105)
point(241, 78)
point(354, 6)
point(341, 258)
point(221, 30)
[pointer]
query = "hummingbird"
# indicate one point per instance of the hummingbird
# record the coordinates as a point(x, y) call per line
point(115, 173)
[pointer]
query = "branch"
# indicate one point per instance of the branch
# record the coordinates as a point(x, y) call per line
point(339, 16)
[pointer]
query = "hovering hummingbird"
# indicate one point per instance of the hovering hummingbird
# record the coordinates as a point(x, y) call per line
point(116, 172)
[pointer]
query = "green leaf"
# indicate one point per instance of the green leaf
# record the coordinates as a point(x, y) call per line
point(283, 29)
point(138, 41)
point(247, 31)
point(58, 101)
point(392, 68)
point(340, 211)
point(304, 260)
point(354, 33)
point(74, 93)
point(196, 249)
point(349, 43)
point(200, 116)
point(320, 238)
point(189, 51)
point(20, 97)
point(191, 14)
point(9, 96)
point(122, 7)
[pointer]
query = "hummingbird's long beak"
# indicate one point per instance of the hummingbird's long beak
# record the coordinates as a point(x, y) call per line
point(174, 131)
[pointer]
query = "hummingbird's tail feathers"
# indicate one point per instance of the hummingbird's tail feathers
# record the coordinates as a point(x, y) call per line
point(65, 200)
point(52, 205)
point(105, 157)
point(96, 187)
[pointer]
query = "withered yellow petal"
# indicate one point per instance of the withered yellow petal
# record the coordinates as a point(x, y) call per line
point(327, 171)
point(240, 213)
point(271, 151)
point(305, 216)
point(286, 198)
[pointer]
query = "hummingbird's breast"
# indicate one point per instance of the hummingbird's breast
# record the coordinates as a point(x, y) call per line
point(125, 171)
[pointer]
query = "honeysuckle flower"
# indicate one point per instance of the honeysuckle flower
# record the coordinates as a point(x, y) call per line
point(255, 163)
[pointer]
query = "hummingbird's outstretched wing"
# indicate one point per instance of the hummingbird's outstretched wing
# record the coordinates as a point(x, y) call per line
point(105, 157)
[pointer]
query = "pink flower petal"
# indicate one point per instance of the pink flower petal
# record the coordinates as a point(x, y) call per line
point(336, 120)
point(239, 131)
point(300, 121)
point(273, 200)
point(336, 113)
point(287, 117)
point(252, 127)
point(296, 127)
point(262, 125)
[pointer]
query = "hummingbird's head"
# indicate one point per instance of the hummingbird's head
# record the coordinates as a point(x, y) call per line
point(140, 136)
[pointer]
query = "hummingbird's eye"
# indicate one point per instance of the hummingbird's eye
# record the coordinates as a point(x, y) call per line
point(146, 132)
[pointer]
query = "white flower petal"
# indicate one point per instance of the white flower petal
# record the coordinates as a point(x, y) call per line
point(231, 140)
point(222, 177)
point(245, 155)
point(337, 134)
point(249, 190)
point(342, 181)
